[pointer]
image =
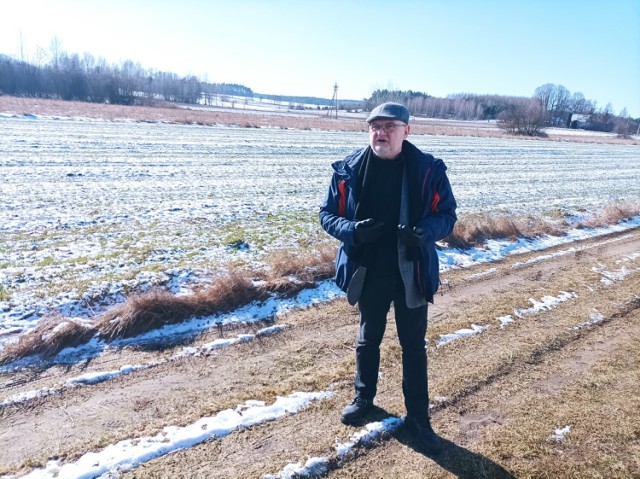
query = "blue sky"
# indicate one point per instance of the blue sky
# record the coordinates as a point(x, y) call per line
point(303, 47)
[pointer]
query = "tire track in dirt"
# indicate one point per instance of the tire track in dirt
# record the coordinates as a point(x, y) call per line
point(475, 427)
point(328, 429)
point(467, 417)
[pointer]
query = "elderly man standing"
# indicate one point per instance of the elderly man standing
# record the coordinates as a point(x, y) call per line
point(388, 204)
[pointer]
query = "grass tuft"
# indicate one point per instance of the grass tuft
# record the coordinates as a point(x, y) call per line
point(305, 265)
point(611, 214)
point(474, 230)
point(156, 308)
point(53, 334)
point(4, 294)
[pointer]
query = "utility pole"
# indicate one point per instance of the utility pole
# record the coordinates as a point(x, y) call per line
point(334, 101)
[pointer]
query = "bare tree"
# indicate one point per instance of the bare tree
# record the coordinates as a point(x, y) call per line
point(579, 104)
point(624, 126)
point(525, 117)
point(55, 48)
point(21, 47)
point(544, 94)
point(560, 110)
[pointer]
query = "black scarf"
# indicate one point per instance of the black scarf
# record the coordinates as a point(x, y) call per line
point(410, 152)
point(363, 254)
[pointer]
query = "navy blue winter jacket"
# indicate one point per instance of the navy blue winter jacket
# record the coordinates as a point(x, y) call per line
point(437, 214)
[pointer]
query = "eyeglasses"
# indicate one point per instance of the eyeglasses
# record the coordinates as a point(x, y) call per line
point(387, 127)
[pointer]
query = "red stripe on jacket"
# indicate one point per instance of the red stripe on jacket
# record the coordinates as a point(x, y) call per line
point(435, 201)
point(342, 198)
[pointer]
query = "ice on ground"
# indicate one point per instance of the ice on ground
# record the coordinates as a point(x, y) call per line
point(372, 432)
point(482, 274)
point(629, 257)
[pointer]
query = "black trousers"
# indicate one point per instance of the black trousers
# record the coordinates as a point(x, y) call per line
point(375, 301)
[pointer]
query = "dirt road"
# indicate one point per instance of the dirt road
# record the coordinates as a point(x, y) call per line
point(570, 357)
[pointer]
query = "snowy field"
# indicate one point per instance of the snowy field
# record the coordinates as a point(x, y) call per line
point(92, 210)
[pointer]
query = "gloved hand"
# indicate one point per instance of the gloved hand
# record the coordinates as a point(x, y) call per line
point(368, 231)
point(412, 237)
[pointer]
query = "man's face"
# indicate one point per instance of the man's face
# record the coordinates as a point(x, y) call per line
point(386, 137)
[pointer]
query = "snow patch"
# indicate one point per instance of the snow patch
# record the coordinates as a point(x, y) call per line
point(595, 317)
point(546, 303)
point(560, 434)
point(482, 274)
point(315, 466)
point(372, 432)
point(460, 333)
point(319, 465)
point(611, 277)
point(129, 454)
point(28, 396)
point(101, 376)
point(504, 320)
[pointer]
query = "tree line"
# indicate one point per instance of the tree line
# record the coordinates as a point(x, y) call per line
point(550, 105)
point(85, 78)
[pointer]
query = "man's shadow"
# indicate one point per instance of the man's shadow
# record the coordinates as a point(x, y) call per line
point(459, 461)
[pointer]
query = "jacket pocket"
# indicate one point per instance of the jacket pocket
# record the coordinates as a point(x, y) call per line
point(344, 269)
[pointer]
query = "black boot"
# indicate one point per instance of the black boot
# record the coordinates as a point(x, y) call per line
point(422, 432)
point(355, 411)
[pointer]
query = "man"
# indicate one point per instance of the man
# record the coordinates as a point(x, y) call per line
point(388, 204)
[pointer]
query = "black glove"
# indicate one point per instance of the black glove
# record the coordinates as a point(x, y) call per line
point(412, 237)
point(368, 231)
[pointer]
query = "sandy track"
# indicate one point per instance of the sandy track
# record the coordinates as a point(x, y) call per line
point(506, 389)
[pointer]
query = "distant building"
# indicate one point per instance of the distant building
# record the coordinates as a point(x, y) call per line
point(579, 120)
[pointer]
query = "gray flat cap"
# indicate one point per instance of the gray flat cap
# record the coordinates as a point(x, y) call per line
point(389, 111)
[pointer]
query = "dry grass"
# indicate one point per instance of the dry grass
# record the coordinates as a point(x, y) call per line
point(158, 307)
point(598, 444)
point(611, 214)
point(305, 265)
point(172, 113)
point(53, 334)
point(474, 230)
point(291, 273)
